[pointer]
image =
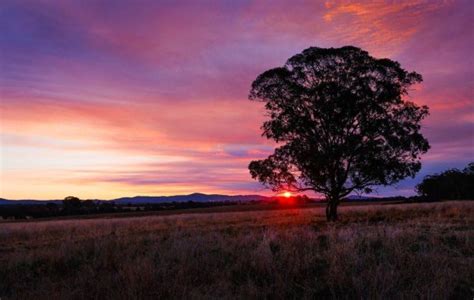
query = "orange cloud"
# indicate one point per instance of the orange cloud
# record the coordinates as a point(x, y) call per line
point(382, 27)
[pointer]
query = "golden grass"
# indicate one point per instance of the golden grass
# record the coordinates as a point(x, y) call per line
point(378, 251)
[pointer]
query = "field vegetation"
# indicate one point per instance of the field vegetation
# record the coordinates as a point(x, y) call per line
point(375, 251)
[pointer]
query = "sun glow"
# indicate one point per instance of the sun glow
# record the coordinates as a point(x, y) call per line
point(287, 194)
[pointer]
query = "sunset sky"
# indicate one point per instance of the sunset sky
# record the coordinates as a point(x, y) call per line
point(103, 99)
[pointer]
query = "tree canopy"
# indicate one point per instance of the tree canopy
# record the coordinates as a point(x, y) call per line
point(452, 184)
point(341, 122)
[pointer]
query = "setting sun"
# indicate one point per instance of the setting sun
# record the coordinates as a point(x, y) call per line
point(287, 194)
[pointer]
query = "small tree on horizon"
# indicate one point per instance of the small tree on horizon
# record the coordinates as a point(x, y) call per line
point(71, 204)
point(342, 123)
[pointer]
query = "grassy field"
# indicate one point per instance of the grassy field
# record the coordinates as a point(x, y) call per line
point(377, 251)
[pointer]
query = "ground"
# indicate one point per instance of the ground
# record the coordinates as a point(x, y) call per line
point(375, 251)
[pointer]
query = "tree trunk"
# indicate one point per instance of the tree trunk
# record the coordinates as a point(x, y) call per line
point(331, 210)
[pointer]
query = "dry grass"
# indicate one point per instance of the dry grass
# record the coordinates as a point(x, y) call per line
point(391, 251)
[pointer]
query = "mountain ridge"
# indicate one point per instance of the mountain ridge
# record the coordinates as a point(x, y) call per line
point(194, 197)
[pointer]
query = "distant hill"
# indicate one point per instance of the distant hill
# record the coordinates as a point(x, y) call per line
point(196, 197)
point(27, 202)
point(359, 198)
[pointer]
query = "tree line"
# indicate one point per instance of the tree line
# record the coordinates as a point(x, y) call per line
point(73, 206)
point(452, 184)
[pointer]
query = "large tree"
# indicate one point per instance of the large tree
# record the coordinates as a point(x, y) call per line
point(342, 124)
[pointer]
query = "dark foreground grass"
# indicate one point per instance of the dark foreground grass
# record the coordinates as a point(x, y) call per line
point(392, 251)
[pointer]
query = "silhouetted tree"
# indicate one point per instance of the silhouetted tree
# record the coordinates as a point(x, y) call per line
point(71, 204)
point(452, 184)
point(342, 123)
